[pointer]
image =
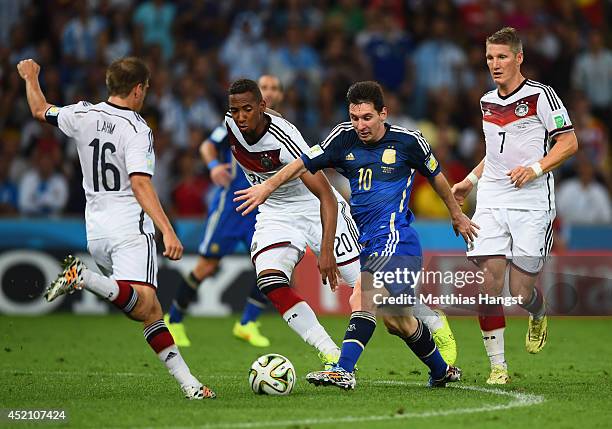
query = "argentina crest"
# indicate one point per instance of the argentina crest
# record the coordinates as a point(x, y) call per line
point(388, 156)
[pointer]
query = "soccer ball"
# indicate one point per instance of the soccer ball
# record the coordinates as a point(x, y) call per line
point(272, 374)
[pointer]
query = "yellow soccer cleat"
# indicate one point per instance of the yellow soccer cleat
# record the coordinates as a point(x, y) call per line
point(445, 340)
point(499, 375)
point(250, 333)
point(537, 333)
point(177, 330)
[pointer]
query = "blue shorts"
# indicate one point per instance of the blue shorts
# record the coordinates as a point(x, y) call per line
point(399, 253)
point(225, 228)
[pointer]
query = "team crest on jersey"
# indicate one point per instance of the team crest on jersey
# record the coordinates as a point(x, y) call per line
point(388, 156)
point(214, 248)
point(266, 162)
point(431, 163)
point(521, 109)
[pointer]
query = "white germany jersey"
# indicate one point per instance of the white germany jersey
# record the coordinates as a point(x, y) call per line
point(517, 129)
point(112, 142)
point(280, 144)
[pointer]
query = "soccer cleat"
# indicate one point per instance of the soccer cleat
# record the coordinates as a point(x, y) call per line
point(177, 330)
point(499, 375)
point(445, 340)
point(537, 333)
point(69, 280)
point(336, 376)
point(250, 333)
point(452, 374)
point(198, 392)
point(329, 360)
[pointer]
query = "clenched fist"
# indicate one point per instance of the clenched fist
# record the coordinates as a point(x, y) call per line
point(28, 69)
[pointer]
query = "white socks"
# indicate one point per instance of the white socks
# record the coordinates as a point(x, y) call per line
point(102, 286)
point(429, 317)
point(494, 345)
point(171, 357)
point(304, 322)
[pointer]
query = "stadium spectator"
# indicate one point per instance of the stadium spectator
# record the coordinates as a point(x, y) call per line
point(593, 75)
point(80, 35)
point(155, 19)
point(43, 191)
point(582, 200)
point(295, 63)
point(438, 63)
point(245, 52)
point(188, 196)
point(387, 47)
point(8, 189)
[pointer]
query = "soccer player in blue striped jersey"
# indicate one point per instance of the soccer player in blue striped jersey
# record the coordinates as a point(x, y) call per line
point(380, 161)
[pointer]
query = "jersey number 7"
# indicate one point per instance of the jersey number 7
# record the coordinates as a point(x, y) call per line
point(503, 136)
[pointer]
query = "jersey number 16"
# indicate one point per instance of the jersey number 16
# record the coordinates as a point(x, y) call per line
point(106, 166)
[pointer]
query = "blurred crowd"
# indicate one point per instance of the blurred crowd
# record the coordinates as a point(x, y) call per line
point(428, 55)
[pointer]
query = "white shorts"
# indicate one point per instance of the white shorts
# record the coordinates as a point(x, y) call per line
point(132, 258)
point(523, 236)
point(280, 241)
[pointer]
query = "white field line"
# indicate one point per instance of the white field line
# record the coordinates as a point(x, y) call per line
point(517, 400)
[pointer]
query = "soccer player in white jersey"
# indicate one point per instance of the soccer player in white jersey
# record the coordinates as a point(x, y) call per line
point(115, 148)
point(515, 204)
point(293, 217)
point(225, 229)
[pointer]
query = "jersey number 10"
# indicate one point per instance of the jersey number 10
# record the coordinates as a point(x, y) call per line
point(106, 166)
point(365, 179)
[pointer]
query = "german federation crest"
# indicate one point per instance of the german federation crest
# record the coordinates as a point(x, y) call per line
point(521, 109)
point(266, 162)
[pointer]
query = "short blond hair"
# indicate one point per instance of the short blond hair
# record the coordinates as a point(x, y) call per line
point(506, 36)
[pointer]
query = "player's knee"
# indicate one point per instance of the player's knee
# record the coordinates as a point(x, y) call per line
point(493, 283)
point(205, 267)
point(147, 307)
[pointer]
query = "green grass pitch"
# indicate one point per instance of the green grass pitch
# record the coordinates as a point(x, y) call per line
point(103, 373)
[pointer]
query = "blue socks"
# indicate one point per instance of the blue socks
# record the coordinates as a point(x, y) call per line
point(360, 329)
point(185, 294)
point(422, 345)
point(255, 304)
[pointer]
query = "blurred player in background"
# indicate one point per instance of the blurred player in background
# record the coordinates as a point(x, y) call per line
point(515, 204)
point(224, 230)
point(292, 218)
point(379, 160)
point(115, 147)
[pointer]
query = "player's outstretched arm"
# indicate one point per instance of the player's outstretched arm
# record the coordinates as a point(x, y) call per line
point(29, 70)
point(147, 198)
point(319, 185)
point(219, 172)
point(566, 145)
point(461, 223)
point(258, 194)
point(462, 189)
